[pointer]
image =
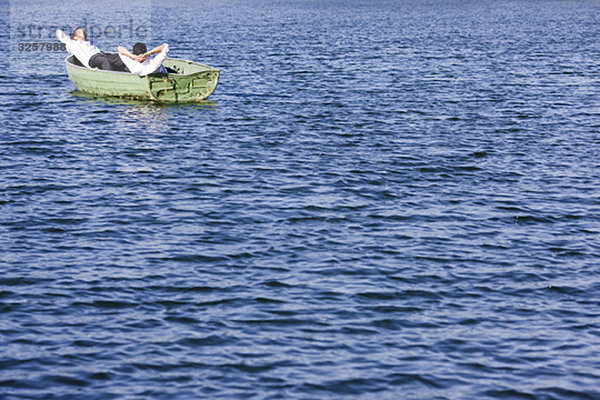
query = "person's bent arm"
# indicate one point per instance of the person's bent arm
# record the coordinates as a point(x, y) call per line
point(157, 49)
point(60, 35)
point(72, 47)
point(151, 65)
point(122, 50)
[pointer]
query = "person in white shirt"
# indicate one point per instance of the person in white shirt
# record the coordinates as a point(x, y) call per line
point(88, 53)
point(143, 62)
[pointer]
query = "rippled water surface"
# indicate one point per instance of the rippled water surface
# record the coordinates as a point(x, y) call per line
point(382, 200)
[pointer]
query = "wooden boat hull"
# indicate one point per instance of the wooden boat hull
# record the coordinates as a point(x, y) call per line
point(194, 82)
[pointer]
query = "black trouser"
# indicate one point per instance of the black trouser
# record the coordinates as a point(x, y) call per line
point(108, 62)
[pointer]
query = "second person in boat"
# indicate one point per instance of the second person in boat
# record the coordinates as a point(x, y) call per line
point(142, 62)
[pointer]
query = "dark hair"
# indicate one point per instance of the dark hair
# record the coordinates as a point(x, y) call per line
point(76, 29)
point(139, 48)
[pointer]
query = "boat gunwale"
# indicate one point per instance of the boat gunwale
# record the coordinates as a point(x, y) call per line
point(70, 64)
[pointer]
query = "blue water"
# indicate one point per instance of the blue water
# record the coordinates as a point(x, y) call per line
point(381, 200)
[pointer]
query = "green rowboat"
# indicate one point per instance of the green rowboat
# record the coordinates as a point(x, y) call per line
point(193, 82)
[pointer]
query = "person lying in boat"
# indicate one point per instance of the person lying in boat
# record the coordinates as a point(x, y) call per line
point(88, 53)
point(143, 62)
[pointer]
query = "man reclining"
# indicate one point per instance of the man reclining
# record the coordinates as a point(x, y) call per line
point(88, 53)
point(143, 62)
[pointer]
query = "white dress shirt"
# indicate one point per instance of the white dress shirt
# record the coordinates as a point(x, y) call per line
point(83, 50)
point(149, 66)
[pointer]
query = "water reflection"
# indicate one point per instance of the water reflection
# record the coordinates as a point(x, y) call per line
point(139, 114)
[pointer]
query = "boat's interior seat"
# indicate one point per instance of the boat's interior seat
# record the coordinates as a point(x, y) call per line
point(75, 61)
